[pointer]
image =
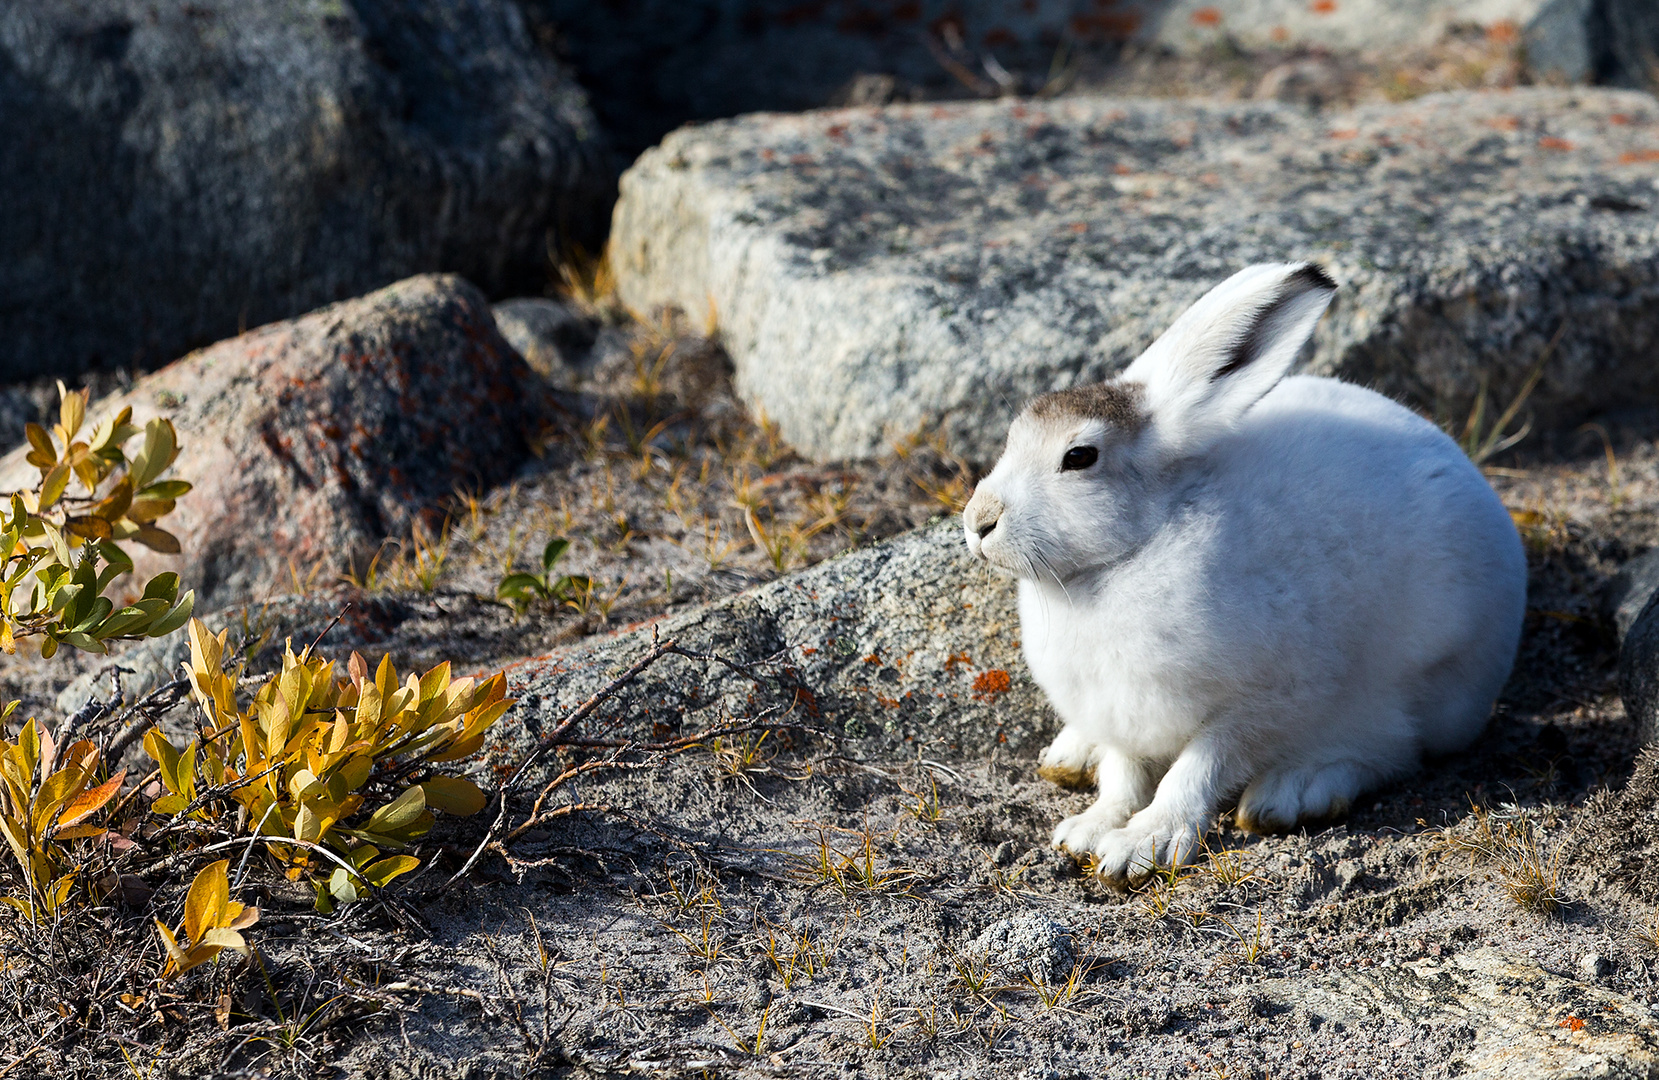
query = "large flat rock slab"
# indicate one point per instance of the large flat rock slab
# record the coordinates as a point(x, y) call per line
point(876, 270)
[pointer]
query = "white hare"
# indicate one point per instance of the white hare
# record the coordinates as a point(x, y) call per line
point(1233, 583)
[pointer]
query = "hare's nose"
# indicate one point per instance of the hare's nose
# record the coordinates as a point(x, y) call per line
point(983, 512)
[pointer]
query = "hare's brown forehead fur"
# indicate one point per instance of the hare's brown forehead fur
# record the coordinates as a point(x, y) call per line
point(1117, 404)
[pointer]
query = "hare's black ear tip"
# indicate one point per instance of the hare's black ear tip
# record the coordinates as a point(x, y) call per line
point(1312, 276)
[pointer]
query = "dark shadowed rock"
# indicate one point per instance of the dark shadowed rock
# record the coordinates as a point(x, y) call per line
point(1639, 670)
point(874, 270)
point(311, 441)
point(1629, 591)
point(175, 171)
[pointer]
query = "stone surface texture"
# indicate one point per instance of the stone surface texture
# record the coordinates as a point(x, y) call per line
point(1564, 38)
point(907, 641)
point(311, 441)
point(177, 171)
point(1523, 1022)
point(875, 270)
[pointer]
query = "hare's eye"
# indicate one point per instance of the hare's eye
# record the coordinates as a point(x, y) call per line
point(1079, 457)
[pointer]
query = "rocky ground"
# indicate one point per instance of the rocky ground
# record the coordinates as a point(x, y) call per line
point(794, 828)
point(865, 888)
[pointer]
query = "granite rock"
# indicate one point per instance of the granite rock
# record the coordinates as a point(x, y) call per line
point(178, 171)
point(312, 441)
point(1523, 1022)
point(1564, 39)
point(876, 270)
point(908, 642)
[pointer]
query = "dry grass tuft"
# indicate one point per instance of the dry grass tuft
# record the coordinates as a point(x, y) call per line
point(1507, 842)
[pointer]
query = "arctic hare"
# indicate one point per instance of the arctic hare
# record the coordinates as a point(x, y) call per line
point(1233, 583)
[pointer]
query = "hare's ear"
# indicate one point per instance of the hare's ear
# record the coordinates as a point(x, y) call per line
point(1229, 349)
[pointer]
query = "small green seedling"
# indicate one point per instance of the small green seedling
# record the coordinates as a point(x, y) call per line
point(521, 589)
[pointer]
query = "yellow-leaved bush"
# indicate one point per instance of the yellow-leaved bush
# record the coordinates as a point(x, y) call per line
point(61, 540)
point(298, 760)
point(45, 799)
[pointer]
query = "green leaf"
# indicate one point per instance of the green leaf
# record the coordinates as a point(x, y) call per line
point(167, 489)
point(342, 886)
point(324, 902)
point(175, 618)
point(398, 814)
point(519, 585)
point(554, 550)
point(161, 587)
point(169, 804)
point(130, 620)
point(101, 607)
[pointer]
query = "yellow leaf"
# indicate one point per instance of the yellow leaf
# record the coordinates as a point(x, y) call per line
point(41, 453)
point(88, 528)
point(176, 960)
point(54, 485)
point(113, 505)
point(166, 758)
point(458, 750)
point(379, 873)
point(72, 410)
point(223, 938)
point(204, 907)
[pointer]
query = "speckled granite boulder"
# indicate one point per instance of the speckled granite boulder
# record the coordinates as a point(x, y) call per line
point(907, 641)
point(311, 441)
point(175, 170)
point(1563, 38)
point(875, 270)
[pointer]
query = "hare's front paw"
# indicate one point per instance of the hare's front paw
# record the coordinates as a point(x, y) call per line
point(1069, 760)
point(1129, 854)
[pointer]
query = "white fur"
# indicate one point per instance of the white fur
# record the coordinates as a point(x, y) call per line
point(1281, 589)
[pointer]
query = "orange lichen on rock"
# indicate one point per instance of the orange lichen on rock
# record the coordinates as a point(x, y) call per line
point(988, 684)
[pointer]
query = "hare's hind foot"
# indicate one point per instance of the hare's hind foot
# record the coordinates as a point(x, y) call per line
point(1285, 798)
